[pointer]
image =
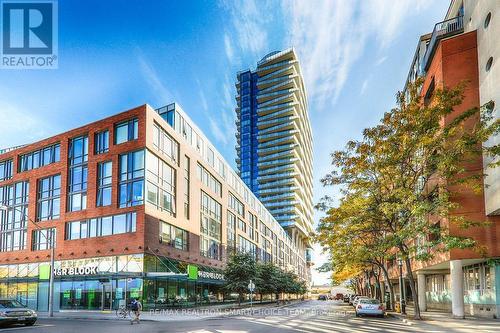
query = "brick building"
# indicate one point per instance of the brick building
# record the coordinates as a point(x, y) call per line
point(459, 49)
point(139, 204)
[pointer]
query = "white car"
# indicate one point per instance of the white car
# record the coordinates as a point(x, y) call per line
point(357, 298)
point(369, 306)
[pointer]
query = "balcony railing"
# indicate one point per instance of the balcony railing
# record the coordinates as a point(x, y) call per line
point(442, 30)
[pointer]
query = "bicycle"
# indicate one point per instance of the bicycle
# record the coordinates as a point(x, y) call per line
point(123, 312)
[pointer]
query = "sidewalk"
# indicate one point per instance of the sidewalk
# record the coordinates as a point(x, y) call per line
point(430, 316)
point(197, 313)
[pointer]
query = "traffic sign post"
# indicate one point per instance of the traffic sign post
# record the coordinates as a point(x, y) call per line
point(251, 288)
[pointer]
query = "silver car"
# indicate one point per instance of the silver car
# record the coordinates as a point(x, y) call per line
point(357, 298)
point(13, 312)
point(369, 306)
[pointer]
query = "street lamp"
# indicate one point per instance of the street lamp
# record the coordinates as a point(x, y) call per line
point(51, 241)
point(401, 287)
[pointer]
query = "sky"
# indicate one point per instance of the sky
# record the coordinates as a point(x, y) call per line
point(116, 55)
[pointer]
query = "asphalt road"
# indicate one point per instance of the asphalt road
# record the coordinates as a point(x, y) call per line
point(309, 317)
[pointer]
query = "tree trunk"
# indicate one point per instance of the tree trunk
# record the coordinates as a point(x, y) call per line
point(240, 296)
point(368, 284)
point(413, 289)
point(391, 288)
point(378, 291)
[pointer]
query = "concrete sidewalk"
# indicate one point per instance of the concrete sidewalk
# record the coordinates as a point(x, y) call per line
point(197, 313)
point(438, 316)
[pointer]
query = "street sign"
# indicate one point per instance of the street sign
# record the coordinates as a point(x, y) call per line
point(251, 286)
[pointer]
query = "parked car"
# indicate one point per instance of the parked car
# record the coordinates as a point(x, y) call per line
point(351, 299)
point(322, 297)
point(339, 296)
point(369, 306)
point(357, 299)
point(13, 312)
point(347, 297)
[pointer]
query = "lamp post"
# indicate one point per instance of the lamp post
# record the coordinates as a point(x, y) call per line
point(52, 255)
point(401, 287)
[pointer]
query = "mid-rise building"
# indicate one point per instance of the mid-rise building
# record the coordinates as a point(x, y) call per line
point(464, 47)
point(274, 141)
point(139, 204)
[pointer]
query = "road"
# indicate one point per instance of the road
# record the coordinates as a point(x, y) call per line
point(309, 317)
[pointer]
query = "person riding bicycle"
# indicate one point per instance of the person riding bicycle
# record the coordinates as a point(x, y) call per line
point(136, 308)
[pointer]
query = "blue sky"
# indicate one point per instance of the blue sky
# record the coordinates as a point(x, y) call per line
point(115, 55)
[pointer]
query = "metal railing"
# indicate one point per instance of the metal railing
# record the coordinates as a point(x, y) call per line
point(442, 30)
point(6, 150)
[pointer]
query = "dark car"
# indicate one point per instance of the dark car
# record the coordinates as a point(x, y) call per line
point(322, 298)
point(346, 298)
point(13, 312)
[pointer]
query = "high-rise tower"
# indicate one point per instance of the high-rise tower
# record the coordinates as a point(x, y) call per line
point(274, 140)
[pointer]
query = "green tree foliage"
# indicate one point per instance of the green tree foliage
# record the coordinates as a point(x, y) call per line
point(240, 269)
point(399, 183)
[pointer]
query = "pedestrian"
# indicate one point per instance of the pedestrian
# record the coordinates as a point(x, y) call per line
point(136, 308)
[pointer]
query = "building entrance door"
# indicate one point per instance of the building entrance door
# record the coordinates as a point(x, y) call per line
point(106, 296)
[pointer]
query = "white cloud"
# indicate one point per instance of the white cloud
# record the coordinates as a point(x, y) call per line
point(153, 79)
point(249, 18)
point(363, 87)
point(228, 48)
point(16, 120)
point(331, 36)
point(380, 61)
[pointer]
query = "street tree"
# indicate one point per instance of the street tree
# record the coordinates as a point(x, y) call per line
point(240, 269)
point(408, 168)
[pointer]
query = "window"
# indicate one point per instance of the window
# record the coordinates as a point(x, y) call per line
point(44, 239)
point(126, 131)
point(164, 143)
point(5, 170)
point(39, 158)
point(242, 225)
point(231, 230)
point(489, 63)
point(77, 175)
point(101, 142)
point(173, 236)
point(49, 198)
point(209, 180)
point(14, 220)
point(236, 205)
point(161, 184)
point(210, 225)
point(187, 170)
point(102, 226)
point(487, 20)
point(104, 176)
point(131, 180)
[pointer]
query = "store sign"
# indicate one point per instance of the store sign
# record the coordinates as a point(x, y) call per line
point(82, 270)
point(210, 275)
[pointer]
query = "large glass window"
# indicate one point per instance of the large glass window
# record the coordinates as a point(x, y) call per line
point(173, 236)
point(161, 184)
point(210, 225)
point(5, 170)
point(236, 205)
point(126, 131)
point(131, 180)
point(104, 185)
point(101, 226)
point(77, 175)
point(231, 231)
point(14, 219)
point(209, 180)
point(49, 198)
point(39, 158)
point(101, 142)
point(43, 239)
point(187, 170)
point(164, 143)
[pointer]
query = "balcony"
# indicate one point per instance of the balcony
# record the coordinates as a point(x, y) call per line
point(442, 30)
